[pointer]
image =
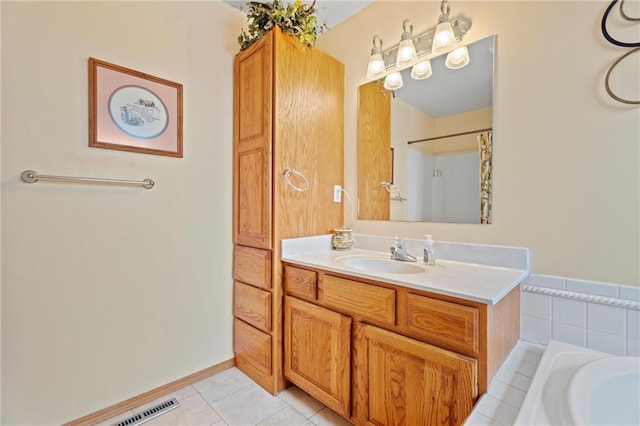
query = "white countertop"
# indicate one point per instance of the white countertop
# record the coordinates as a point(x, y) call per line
point(473, 281)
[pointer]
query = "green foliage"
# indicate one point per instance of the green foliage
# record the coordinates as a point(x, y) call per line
point(294, 18)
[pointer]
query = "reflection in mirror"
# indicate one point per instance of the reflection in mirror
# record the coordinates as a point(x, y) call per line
point(424, 150)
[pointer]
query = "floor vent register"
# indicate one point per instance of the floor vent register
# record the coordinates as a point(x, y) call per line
point(149, 413)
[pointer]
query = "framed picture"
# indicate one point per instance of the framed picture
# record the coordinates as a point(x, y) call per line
point(133, 111)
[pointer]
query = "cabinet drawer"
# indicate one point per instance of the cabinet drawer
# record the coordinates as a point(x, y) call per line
point(300, 282)
point(252, 348)
point(367, 301)
point(252, 305)
point(252, 266)
point(448, 324)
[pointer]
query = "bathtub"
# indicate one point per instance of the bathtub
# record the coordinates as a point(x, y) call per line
point(578, 386)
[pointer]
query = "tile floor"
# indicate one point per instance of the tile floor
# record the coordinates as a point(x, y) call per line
point(231, 398)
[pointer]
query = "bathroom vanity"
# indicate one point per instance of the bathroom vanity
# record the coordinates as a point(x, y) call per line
point(410, 346)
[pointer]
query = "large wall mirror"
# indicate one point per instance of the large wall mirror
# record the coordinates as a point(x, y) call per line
point(424, 150)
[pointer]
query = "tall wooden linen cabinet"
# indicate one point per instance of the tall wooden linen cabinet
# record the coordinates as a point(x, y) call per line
point(288, 114)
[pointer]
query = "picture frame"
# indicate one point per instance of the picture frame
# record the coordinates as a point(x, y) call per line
point(133, 111)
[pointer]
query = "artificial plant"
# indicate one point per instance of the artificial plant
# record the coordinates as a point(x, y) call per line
point(294, 18)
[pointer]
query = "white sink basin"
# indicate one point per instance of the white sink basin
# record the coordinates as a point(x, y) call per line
point(376, 264)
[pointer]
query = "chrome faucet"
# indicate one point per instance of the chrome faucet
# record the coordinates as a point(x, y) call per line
point(399, 251)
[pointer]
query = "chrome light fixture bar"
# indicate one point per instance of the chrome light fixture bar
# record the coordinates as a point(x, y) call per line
point(417, 51)
point(423, 42)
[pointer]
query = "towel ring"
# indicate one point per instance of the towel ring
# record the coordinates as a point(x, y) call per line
point(287, 174)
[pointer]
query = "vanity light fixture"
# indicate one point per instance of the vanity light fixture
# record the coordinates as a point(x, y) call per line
point(393, 81)
point(458, 58)
point(406, 50)
point(421, 70)
point(417, 51)
point(376, 68)
point(444, 40)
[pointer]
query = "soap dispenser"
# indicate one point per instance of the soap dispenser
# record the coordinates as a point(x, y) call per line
point(429, 253)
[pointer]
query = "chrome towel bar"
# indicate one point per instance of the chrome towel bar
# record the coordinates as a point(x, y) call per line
point(30, 176)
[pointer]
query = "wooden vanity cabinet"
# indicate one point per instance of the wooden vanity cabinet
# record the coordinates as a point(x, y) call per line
point(416, 358)
point(288, 113)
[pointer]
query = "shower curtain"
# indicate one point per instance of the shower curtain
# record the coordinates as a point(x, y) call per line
point(486, 149)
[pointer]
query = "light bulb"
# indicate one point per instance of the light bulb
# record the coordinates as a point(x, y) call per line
point(421, 70)
point(406, 53)
point(406, 50)
point(376, 68)
point(443, 40)
point(458, 58)
point(393, 81)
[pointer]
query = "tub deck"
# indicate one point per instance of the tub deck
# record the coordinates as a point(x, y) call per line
point(508, 390)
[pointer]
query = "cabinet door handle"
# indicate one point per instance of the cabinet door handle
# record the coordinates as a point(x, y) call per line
point(288, 172)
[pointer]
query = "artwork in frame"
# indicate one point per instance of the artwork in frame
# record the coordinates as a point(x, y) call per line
point(133, 111)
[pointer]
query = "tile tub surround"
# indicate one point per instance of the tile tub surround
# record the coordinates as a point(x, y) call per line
point(595, 315)
point(475, 272)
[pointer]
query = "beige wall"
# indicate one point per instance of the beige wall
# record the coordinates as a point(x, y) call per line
point(109, 292)
point(566, 156)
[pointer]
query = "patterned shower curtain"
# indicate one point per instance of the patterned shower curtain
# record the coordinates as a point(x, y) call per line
point(486, 150)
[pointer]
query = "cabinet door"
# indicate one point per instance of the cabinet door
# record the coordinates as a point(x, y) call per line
point(374, 150)
point(317, 347)
point(412, 383)
point(253, 94)
point(308, 137)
